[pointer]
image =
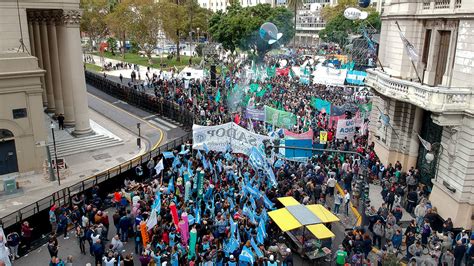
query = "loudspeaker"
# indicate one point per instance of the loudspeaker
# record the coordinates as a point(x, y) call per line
point(213, 75)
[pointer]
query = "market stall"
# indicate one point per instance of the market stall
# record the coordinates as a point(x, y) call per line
point(305, 226)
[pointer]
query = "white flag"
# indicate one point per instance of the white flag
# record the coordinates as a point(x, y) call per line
point(412, 54)
point(159, 167)
point(152, 220)
point(425, 143)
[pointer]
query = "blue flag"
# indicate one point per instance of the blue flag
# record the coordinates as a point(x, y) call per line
point(257, 250)
point(199, 155)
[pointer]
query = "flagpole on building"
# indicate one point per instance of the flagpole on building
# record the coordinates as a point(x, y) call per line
point(413, 64)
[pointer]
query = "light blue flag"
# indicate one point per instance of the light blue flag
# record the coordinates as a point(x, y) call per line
point(257, 250)
point(171, 185)
point(219, 165)
point(256, 159)
point(204, 163)
point(267, 202)
point(168, 154)
point(157, 202)
point(176, 162)
point(246, 255)
point(206, 149)
point(261, 232)
point(197, 213)
point(279, 163)
point(199, 155)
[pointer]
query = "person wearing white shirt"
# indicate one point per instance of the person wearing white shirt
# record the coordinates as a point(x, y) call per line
point(347, 199)
point(331, 183)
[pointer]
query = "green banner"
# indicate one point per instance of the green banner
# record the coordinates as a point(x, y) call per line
point(279, 118)
point(200, 188)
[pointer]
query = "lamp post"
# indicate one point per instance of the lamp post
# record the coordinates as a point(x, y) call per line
point(434, 153)
point(52, 126)
point(139, 140)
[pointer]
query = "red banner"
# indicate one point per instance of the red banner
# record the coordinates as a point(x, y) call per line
point(174, 214)
point(307, 135)
point(283, 71)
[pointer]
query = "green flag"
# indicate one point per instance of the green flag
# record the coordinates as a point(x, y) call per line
point(246, 100)
point(269, 87)
point(253, 87)
point(218, 96)
point(271, 71)
point(261, 93)
point(279, 118)
point(365, 108)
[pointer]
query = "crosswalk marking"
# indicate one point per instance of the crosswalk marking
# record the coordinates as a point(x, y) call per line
point(158, 124)
point(159, 120)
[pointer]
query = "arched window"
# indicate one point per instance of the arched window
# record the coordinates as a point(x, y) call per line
point(5, 134)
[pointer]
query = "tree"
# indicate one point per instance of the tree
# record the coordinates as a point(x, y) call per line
point(143, 25)
point(238, 28)
point(118, 20)
point(295, 5)
point(338, 28)
point(93, 19)
point(181, 18)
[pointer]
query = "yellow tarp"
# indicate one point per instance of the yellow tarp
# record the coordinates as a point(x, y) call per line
point(288, 201)
point(284, 219)
point(322, 213)
point(320, 231)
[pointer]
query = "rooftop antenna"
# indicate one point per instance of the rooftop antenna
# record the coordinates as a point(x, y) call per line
point(22, 44)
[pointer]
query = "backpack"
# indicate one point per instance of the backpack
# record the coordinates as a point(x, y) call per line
point(426, 229)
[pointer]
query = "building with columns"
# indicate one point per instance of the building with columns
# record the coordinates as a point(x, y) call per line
point(47, 75)
point(433, 98)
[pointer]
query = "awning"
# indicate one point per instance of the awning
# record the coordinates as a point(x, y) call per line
point(320, 231)
point(303, 214)
point(323, 214)
point(284, 219)
point(288, 201)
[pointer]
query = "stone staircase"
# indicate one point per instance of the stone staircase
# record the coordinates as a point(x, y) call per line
point(83, 144)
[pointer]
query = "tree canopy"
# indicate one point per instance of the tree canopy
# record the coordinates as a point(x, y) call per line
point(338, 27)
point(93, 19)
point(239, 27)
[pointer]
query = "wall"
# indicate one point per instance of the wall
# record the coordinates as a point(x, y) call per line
point(20, 87)
point(464, 60)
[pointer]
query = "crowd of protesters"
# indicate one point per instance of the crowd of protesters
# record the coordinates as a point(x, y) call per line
point(221, 210)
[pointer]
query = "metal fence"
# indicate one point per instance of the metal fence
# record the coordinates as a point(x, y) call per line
point(63, 196)
point(142, 99)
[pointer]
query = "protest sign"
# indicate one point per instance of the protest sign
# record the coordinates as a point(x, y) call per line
point(345, 128)
point(220, 138)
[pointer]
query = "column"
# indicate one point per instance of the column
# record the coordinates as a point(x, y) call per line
point(54, 60)
point(31, 35)
point(39, 55)
point(74, 70)
point(66, 82)
point(47, 64)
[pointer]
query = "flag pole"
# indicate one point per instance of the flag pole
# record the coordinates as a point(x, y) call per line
point(413, 64)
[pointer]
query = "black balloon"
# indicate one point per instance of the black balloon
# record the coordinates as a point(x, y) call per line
point(364, 3)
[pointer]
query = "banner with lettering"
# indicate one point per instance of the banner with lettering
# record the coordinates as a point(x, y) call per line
point(279, 118)
point(220, 138)
point(345, 129)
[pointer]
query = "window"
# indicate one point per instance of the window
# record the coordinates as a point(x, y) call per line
point(426, 47)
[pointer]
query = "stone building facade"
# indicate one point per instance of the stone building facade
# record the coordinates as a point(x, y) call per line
point(51, 42)
point(433, 98)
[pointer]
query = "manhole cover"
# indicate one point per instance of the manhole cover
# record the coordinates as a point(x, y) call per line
point(101, 156)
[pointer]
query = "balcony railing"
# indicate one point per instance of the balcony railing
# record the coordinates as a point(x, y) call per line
point(436, 99)
point(440, 6)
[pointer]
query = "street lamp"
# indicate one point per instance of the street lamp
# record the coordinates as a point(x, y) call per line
point(52, 126)
point(434, 153)
point(139, 140)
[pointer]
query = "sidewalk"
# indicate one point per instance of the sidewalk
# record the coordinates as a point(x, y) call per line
point(81, 165)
